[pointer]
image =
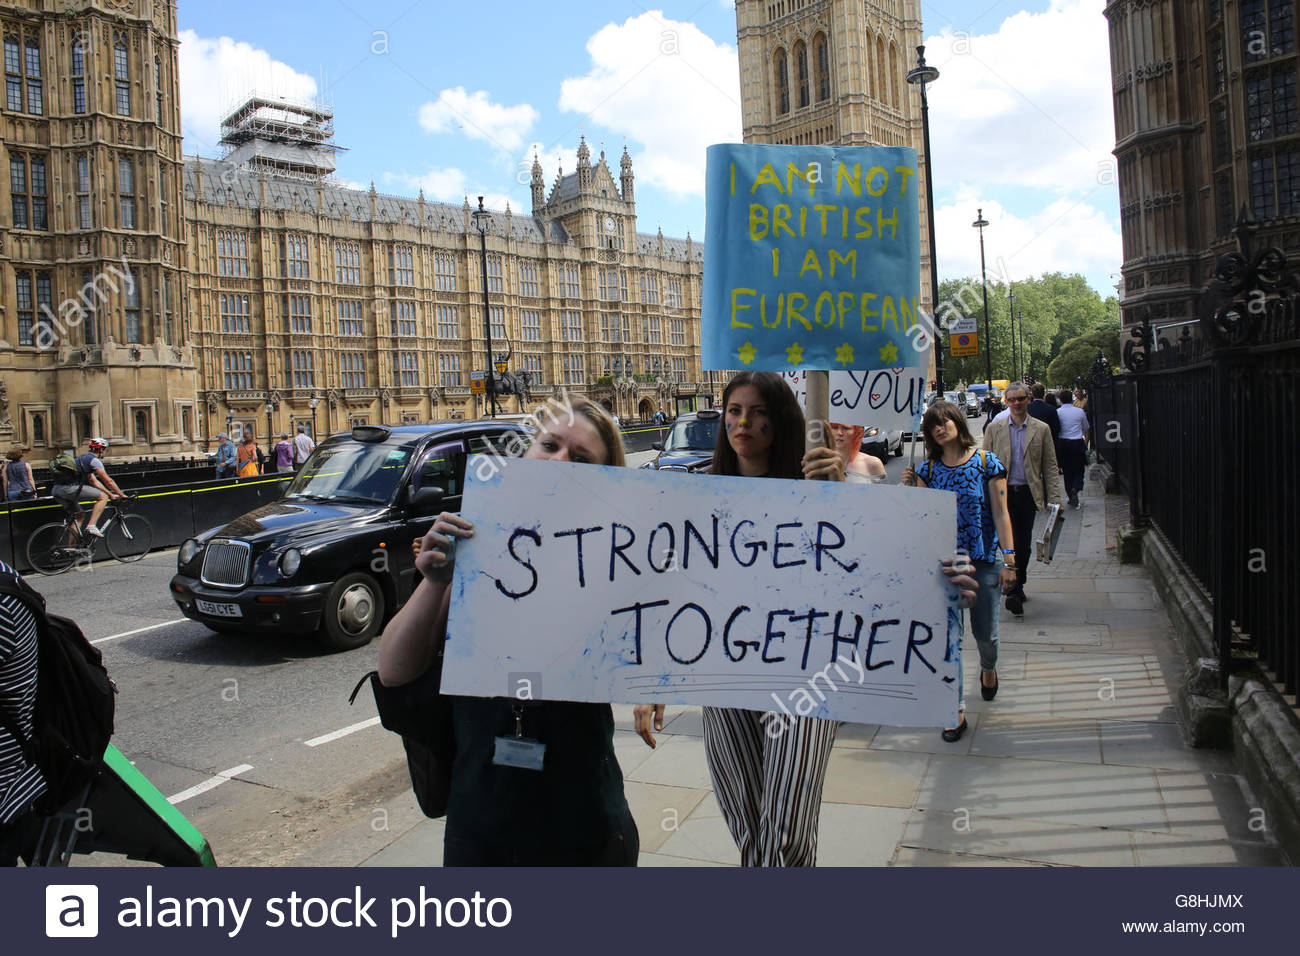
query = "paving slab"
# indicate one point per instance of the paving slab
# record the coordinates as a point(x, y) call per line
point(676, 762)
point(1029, 841)
point(926, 740)
point(850, 835)
point(1148, 744)
point(1038, 738)
point(659, 810)
point(907, 856)
point(874, 777)
point(1164, 849)
point(702, 838)
point(1039, 632)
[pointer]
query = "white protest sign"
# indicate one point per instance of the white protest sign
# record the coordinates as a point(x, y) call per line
point(889, 398)
point(591, 583)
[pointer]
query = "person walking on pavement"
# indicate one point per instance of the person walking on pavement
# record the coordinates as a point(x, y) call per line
point(1024, 444)
point(246, 457)
point(1072, 447)
point(19, 484)
point(226, 458)
point(283, 454)
point(1044, 412)
point(302, 446)
point(983, 530)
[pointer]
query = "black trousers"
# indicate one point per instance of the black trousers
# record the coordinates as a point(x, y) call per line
point(462, 849)
point(1072, 453)
point(1020, 502)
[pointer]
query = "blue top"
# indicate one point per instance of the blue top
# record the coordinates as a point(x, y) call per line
point(16, 473)
point(976, 534)
point(88, 463)
point(226, 455)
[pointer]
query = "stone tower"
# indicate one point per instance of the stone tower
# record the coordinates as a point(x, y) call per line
point(93, 319)
point(833, 72)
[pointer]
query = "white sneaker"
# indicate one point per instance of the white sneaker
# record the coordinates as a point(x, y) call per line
point(93, 531)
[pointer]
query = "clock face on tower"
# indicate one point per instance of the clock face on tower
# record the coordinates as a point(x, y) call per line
point(610, 224)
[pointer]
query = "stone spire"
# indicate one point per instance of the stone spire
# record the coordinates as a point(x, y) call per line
point(584, 165)
point(625, 164)
point(538, 187)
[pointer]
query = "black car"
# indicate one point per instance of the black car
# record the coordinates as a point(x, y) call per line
point(333, 555)
point(690, 443)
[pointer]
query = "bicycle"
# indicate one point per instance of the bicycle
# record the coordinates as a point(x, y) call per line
point(59, 545)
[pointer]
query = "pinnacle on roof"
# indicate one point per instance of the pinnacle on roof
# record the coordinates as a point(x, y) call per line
point(584, 152)
point(626, 161)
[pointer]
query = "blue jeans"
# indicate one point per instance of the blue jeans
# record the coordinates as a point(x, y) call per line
point(984, 619)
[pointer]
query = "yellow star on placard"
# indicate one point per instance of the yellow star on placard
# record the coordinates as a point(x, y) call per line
point(889, 354)
point(844, 355)
point(746, 353)
point(794, 354)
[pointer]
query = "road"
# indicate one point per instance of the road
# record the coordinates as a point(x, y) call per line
point(252, 737)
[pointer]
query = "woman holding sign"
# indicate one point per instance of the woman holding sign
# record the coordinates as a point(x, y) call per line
point(979, 480)
point(533, 783)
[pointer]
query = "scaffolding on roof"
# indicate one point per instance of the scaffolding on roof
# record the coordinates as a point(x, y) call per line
point(280, 136)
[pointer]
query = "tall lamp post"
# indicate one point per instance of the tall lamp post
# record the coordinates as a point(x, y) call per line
point(1011, 317)
point(1020, 321)
point(920, 75)
point(481, 217)
point(270, 449)
point(979, 224)
point(1029, 356)
point(312, 403)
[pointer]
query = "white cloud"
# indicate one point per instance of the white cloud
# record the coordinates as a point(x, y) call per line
point(1026, 114)
point(664, 84)
point(448, 184)
point(1029, 105)
point(478, 117)
point(1068, 235)
point(216, 74)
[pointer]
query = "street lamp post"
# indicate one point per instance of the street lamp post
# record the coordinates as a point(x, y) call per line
point(979, 224)
point(1011, 317)
point(1020, 321)
point(312, 403)
point(1029, 352)
point(921, 75)
point(270, 449)
point(481, 217)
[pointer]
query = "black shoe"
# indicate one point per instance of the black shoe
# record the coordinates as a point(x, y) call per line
point(1016, 604)
point(989, 692)
point(954, 734)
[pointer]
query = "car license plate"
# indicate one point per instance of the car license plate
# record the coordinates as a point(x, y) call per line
point(219, 610)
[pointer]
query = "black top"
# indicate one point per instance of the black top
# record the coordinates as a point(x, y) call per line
point(575, 801)
point(1047, 414)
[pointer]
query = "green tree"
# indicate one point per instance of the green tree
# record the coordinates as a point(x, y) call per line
point(1078, 355)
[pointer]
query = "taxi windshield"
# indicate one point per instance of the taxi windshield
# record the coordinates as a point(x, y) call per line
point(696, 434)
point(350, 471)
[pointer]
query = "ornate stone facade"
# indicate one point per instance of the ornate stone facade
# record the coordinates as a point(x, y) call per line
point(93, 336)
point(1205, 125)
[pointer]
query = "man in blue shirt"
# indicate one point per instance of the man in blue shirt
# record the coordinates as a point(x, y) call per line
point(92, 479)
point(225, 456)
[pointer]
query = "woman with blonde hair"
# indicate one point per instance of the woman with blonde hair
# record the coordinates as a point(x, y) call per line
point(571, 810)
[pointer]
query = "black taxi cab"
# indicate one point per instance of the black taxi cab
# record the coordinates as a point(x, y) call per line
point(333, 555)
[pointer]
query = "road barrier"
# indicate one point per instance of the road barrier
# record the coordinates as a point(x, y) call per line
point(176, 513)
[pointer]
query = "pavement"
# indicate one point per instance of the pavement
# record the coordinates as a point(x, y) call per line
point(1078, 762)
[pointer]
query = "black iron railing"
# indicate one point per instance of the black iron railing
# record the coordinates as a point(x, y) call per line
point(1205, 439)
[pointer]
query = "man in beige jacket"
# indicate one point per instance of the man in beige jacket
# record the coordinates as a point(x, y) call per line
point(1024, 445)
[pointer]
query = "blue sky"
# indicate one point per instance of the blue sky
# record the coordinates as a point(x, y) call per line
point(456, 98)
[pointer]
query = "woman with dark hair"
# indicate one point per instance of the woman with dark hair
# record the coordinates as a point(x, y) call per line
point(983, 524)
point(19, 484)
point(570, 810)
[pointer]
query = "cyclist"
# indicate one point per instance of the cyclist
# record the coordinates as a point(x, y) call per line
point(92, 478)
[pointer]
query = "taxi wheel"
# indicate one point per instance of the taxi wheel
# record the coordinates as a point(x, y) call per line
point(354, 612)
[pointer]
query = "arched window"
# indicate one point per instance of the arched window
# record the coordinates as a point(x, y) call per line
point(782, 82)
point(893, 75)
point(801, 71)
point(882, 83)
point(122, 78)
point(38, 429)
point(78, 76)
point(141, 427)
point(822, 61)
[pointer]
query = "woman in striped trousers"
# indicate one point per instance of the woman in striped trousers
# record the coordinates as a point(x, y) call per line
point(767, 772)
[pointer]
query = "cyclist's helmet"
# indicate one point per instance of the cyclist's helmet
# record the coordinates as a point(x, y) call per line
point(98, 444)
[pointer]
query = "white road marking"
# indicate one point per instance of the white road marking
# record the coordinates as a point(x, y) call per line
point(207, 785)
point(351, 729)
point(140, 630)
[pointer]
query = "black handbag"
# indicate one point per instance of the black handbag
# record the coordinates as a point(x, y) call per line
point(421, 716)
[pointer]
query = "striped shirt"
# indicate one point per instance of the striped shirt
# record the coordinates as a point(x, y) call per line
point(20, 782)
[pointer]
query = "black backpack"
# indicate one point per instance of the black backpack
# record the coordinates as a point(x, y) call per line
point(73, 717)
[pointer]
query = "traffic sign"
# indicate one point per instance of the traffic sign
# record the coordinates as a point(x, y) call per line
point(478, 383)
point(963, 344)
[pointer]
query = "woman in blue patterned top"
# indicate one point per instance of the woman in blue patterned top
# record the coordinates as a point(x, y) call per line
point(979, 480)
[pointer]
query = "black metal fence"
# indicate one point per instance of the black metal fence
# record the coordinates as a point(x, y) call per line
point(1205, 439)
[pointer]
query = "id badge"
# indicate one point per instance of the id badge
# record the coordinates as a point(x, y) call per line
point(522, 752)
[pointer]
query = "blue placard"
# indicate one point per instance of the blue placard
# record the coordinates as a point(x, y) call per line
point(813, 258)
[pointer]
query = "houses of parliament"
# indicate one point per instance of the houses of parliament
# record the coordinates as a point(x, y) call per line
point(157, 299)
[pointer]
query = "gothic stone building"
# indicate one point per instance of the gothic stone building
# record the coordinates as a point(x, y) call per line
point(1205, 124)
point(154, 300)
point(340, 306)
point(93, 338)
point(833, 72)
